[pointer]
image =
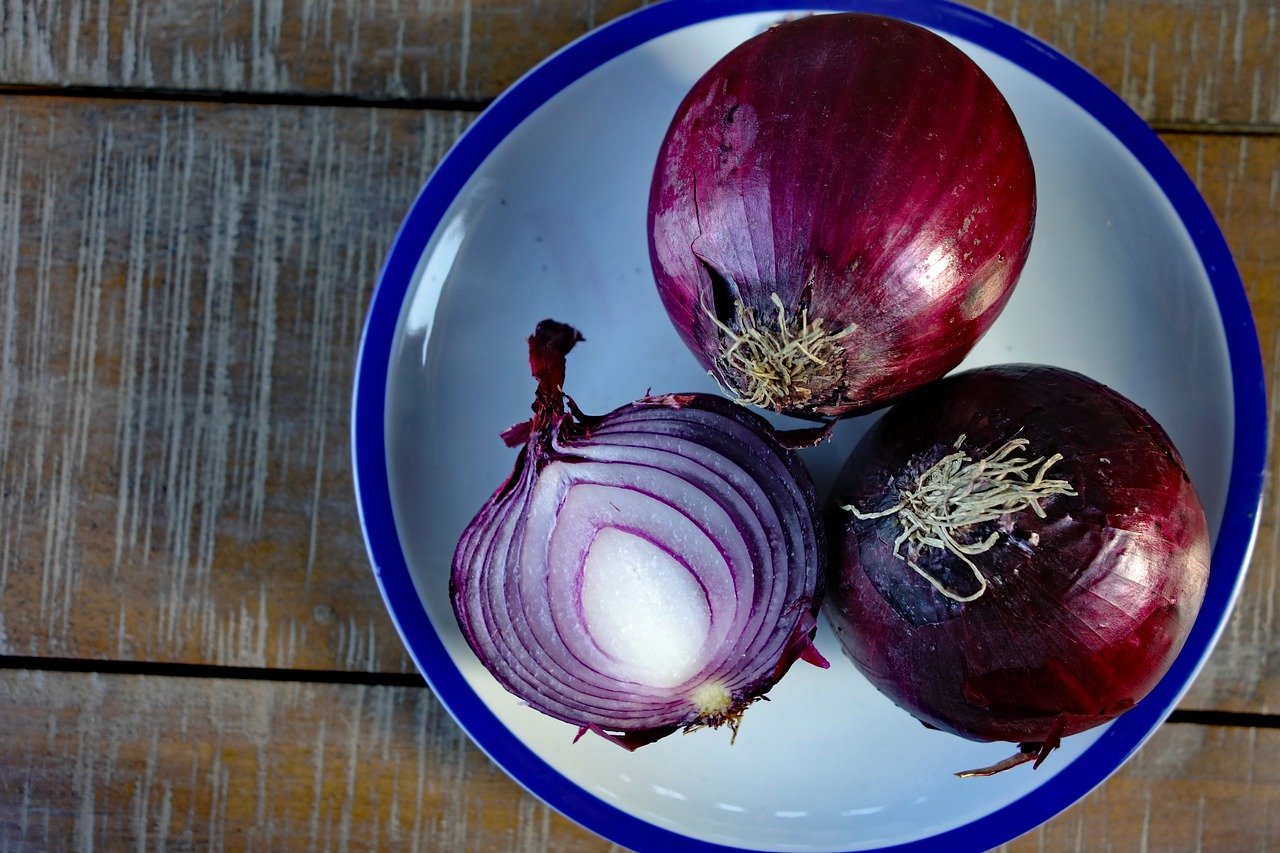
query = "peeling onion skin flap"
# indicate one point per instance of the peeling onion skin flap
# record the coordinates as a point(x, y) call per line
point(856, 176)
point(654, 569)
point(1084, 609)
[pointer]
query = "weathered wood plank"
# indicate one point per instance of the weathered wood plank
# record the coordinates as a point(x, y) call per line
point(150, 762)
point(1189, 788)
point(384, 49)
point(1174, 61)
point(1240, 179)
point(181, 302)
point(181, 293)
point(119, 762)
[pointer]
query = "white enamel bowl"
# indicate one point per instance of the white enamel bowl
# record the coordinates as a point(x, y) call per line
point(539, 211)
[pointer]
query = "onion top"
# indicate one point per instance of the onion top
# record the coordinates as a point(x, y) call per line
point(840, 208)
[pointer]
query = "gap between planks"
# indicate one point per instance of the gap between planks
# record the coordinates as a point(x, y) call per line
point(199, 670)
point(1233, 719)
point(277, 99)
point(338, 101)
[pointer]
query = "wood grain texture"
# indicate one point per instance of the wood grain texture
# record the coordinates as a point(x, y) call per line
point(123, 762)
point(1240, 179)
point(181, 293)
point(1173, 61)
point(1190, 788)
point(182, 286)
point(467, 49)
point(140, 762)
point(1215, 61)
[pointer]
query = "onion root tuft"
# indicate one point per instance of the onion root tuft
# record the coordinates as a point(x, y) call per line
point(782, 364)
point(958, 492)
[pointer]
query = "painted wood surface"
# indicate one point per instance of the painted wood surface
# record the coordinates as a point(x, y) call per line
point(1239, 177)
point(183, 291)
point(1174, 61)
point(129, 762)
point(183, 294)
point(139, 762)
point(187, 247)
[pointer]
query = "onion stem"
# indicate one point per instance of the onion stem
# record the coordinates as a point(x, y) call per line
point(957, 492)
point(777, 366)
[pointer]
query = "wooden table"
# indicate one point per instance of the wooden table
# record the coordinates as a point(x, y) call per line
point(194, 202)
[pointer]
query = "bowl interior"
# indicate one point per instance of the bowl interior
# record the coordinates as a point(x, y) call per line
point(552, 224)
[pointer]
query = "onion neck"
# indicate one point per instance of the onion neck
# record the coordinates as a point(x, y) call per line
point(549, 344)
point(778, 362)
point(957, 493)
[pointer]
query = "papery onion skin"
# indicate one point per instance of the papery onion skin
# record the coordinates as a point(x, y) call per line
point(863, 176)
point(689, 483)
point(1086, 608)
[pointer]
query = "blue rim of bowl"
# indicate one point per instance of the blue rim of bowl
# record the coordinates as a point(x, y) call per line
point(369, 447)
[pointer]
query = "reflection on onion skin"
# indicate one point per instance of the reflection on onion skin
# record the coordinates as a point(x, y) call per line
point(840, 209)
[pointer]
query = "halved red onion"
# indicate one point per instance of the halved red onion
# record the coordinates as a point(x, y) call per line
point(1018, 554)
point(654, 569)
point(840, 209)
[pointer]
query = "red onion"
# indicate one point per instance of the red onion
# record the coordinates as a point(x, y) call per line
point(840, 209)
point(654, 569)
point(1018, 554)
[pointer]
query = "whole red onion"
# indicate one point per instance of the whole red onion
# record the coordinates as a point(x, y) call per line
point(840, 209)
point(1017, 554)
point(653, 569)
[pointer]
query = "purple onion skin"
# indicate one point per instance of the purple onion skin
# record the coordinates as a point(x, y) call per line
point(501, 602)
point(862, 169)
point(1086, 608)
